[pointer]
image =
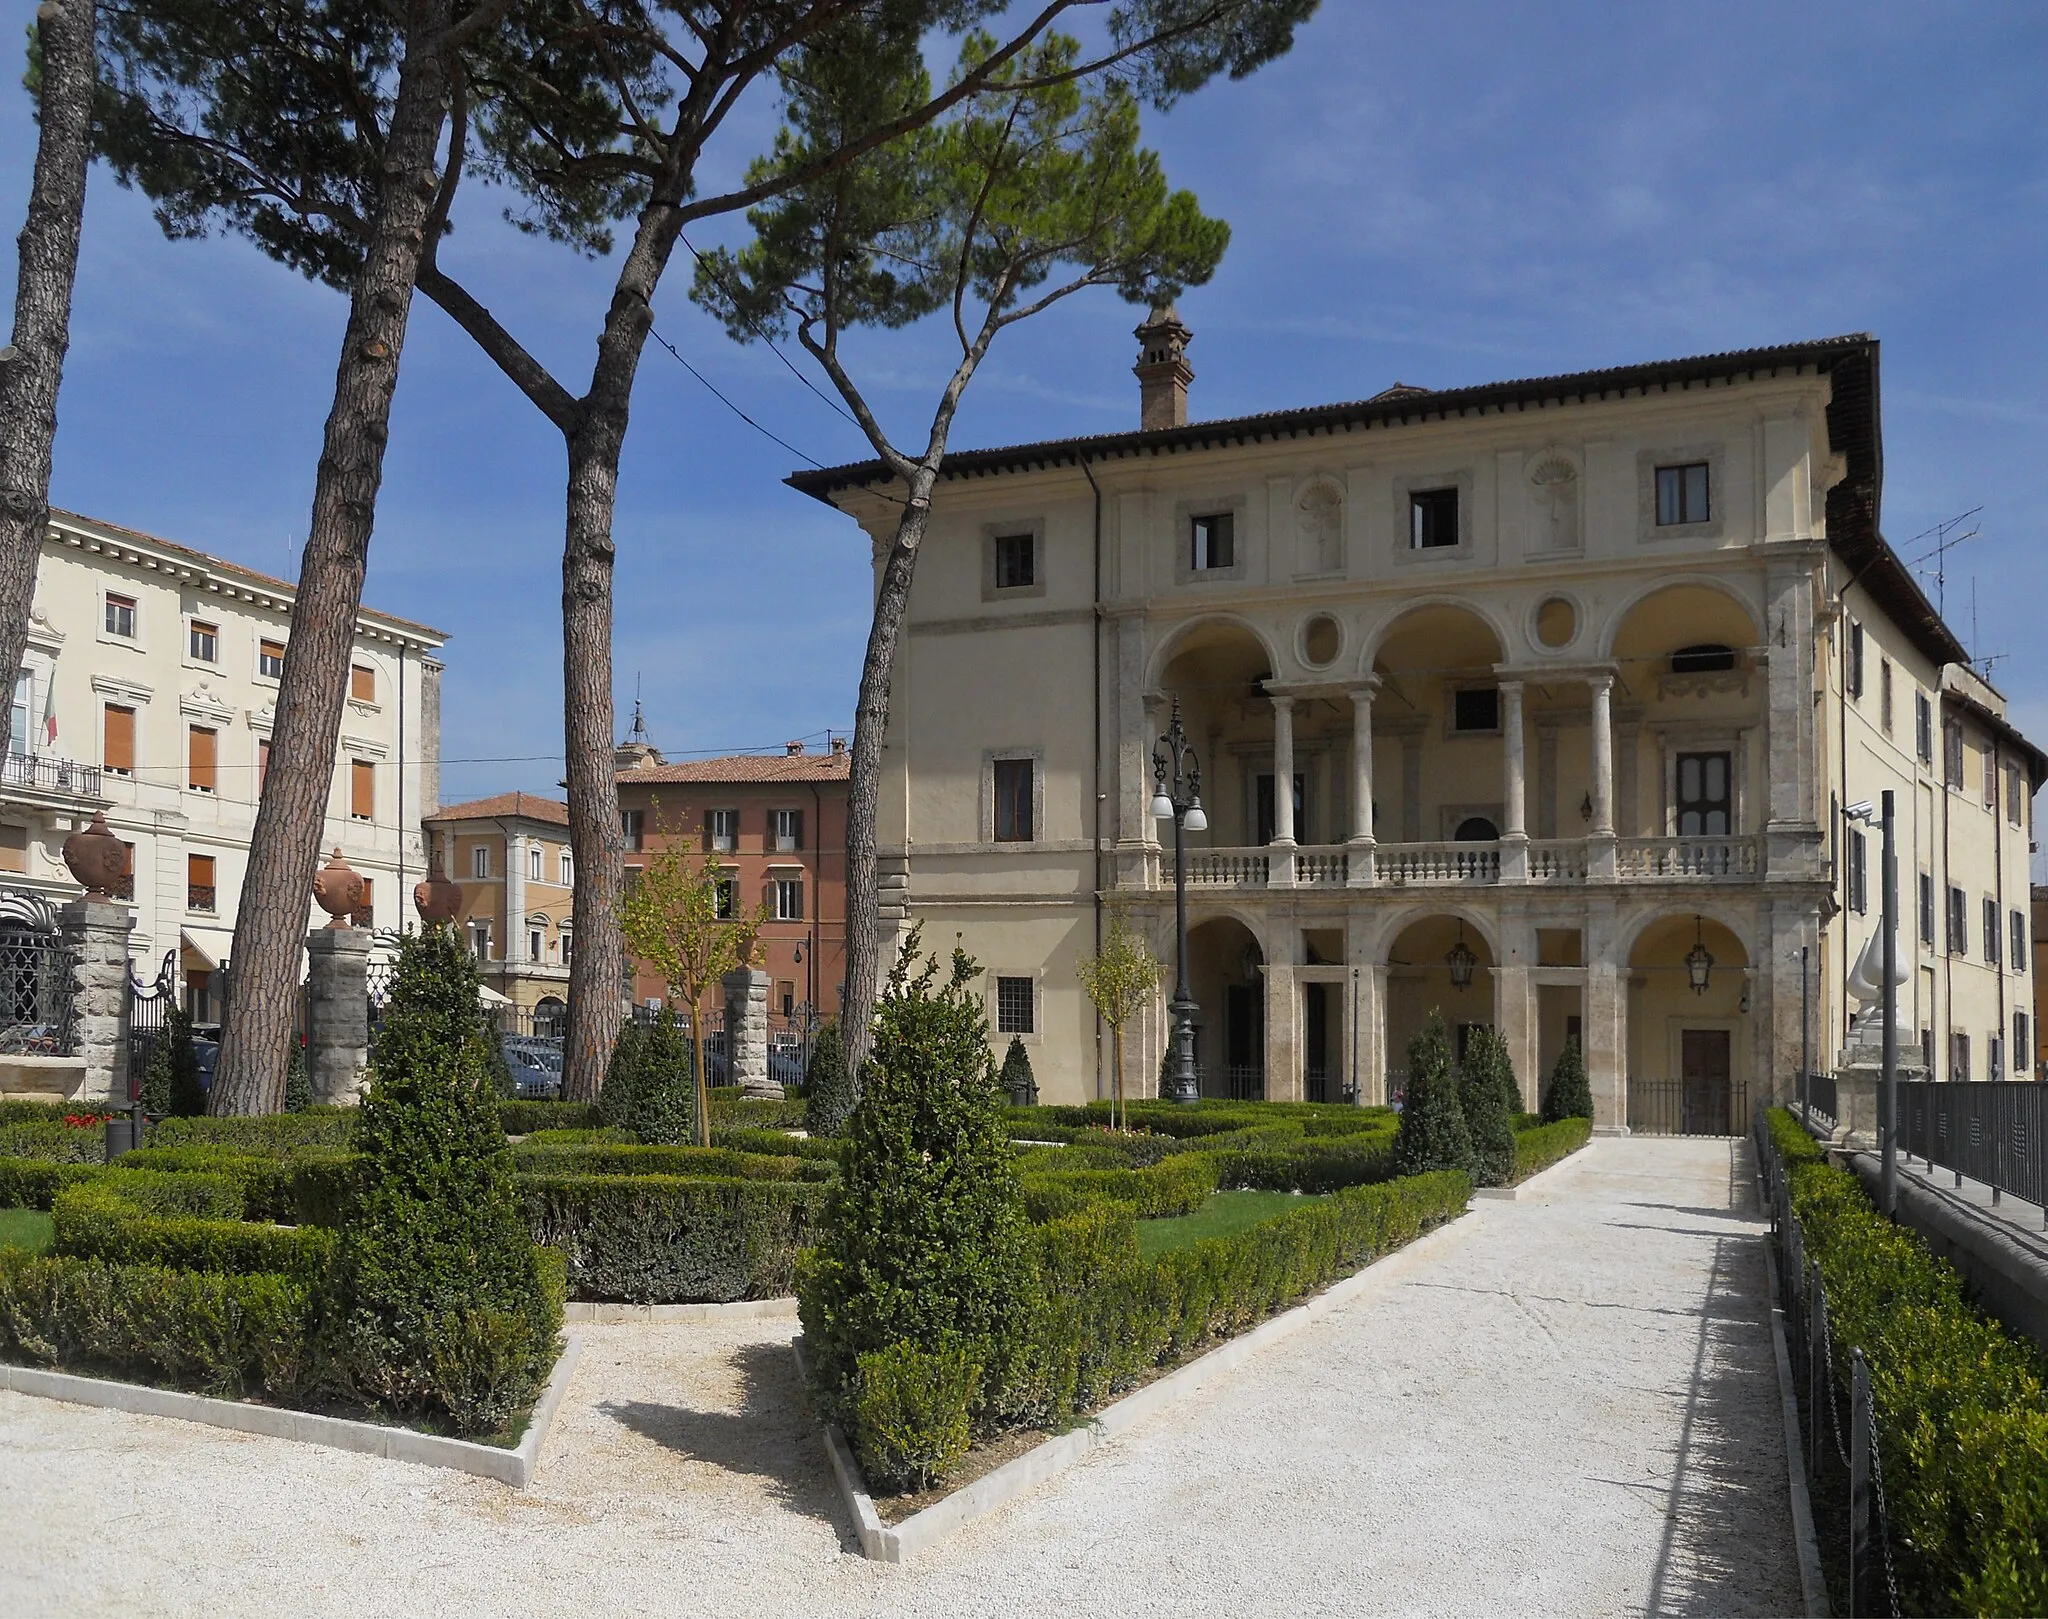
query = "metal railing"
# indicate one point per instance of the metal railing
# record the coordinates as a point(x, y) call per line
point(1995, 1132)
point(35, 993)
point(200, 896)
point(1820, 1096)
point(1687, 1107)
point(43, 773)
point(1244, 1082)
point(1838, 1419)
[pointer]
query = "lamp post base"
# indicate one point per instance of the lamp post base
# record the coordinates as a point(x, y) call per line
point(1183, 1084)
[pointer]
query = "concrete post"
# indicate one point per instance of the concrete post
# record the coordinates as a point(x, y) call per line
point(338, 1013)
point(746, 1032)
point(95, 933)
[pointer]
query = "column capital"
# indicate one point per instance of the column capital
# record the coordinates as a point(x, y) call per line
point(1366, 686)
point(1281, 700)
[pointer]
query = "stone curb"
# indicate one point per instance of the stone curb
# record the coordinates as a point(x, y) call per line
point(884, 1543)
point(1513, 1194)
point(514, 1467)
point(742, 1310)
point(1812, 1584)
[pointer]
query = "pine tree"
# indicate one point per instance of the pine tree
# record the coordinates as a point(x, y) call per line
point(1019, 1084)
point(1432, 1133)
point(443, 1305)
point(924, 1240)
point(1488, 1082)
point(832, 1096)
point(1569, 1096)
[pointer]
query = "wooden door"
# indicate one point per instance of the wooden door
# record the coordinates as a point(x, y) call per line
point(1704, 1071)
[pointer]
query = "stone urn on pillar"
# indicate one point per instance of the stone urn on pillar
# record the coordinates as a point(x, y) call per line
point(436, 899)
point(96, 857)
point(338, 889)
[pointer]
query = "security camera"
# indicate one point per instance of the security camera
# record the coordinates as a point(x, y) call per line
point(1862, 810)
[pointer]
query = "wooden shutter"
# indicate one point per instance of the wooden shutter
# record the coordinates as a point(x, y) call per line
point(199, 870)
point(362, 789)
point(362, 683)
point(365, 910)
point(262, 762)
point(200, 772)
point(119, 753)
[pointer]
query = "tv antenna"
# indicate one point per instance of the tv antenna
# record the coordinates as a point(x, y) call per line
point(1936, 543)
point(1990, 660)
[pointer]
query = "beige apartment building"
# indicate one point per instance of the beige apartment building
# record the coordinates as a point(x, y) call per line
point(1537, 704)
point(510, 855)
point(148, 691)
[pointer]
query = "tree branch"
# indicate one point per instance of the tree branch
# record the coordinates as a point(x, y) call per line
point(526, 373)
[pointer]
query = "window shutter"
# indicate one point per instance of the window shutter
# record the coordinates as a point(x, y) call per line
point(362, 789)
point(120, 746)
point(362, 683)
point(200, 772)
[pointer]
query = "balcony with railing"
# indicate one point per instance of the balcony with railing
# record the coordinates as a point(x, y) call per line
point(200, 897)
point(1547, 861)
point(47, 777)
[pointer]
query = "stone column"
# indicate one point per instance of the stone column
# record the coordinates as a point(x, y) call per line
point(338, 1013)
point(515, 898)
point(1606, 1049)
point(95, 933)
point(1358, 872)
point(1514, 854)
point(746, 1032)
point(1603, 756)
point(1283, 772)
point(1514, 1002)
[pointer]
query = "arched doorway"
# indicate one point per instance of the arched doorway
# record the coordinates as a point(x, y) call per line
point(1217, 671)
point(1226, 975)
point(1688, 1028)
point(1436, 966)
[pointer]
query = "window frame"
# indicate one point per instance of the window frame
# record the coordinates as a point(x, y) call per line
point(209, 866)
point(195, 627)
point(725, 841)
point(1227, 517)
point(131, 714)
point(1992, 931)
point(1856, 872)
point(360, 674)
point(1958, 922)
point(263, 645)
point(1648, 463)
point(1730, 757)
point(210, 785)
point(1427, 509)
point(1923, 727)
point(633, 829)
point(480, 863)
point(2016, 956)
point(1682, 486)
point(785, 887)
point(113, 604)
point(1002, 811)
point(1010, 991)
point(1927, 931)
point(536, 863)
point(362, 787)
point(780, 817)
point(1958, 1056)
point(1012, 549)
point(1884, 695)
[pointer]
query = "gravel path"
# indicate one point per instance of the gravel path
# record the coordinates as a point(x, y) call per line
point(1561, 1405)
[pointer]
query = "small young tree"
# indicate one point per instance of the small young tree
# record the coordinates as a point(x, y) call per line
point(924, 1240)
point(830, 1091)
point(442, 1303)
point(1121, 982)
point(1488, 1081)
point(683, 918)
point(1432, 1133)
point(1569, 1096)
point(1018, 1083)
point(170, 1084)
point(298, 1083)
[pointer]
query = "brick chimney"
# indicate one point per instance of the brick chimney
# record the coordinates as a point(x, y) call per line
point(838, 746)
point(794, 750)
point(1162, 369)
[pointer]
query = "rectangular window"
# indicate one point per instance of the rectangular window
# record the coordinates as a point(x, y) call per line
point(13, 848)
point(1854, 674)
point(1014, 1006)
point(789, 829)
point(727, 904)
point(633, 824)
point(2019, 943)
point(1958, 923)
point(200, 891)
point(362, 683)
point(1884, 695)
point(262, 762)
point(124, 888)
point(1706, 795)
point(1267, 825)
point(2022, 1050)
point(568, 869)
point(1013, 785)
point(121, 616)
point(480, 940)
point(1682, 494)
point(1990, 777)
point(205, 642)
point(1994, 1057)
point(568, 948)
point(1991, 931)
point(1923, 728)
point(1214, 541)
point(1016, 561)
point(1475, 708)
point(118, 752)
point(1858, 896)
point(1952, 754)
point(534, 856)
point(2015, 796)
point(536, 945)
point(270, 659)
point(1927, 909)
point(362, 789)
point(722, 830)
point(789, 899)
point(17, 723)
point(1432, 519)
point(1959, 1058)
point(480, 861)
point(202, 751)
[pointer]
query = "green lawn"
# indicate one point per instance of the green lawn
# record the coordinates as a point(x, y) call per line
point(1224, 1213)
point(24, 1228)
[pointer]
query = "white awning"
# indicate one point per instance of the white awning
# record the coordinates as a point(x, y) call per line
point(210, 945)
point(490, 997)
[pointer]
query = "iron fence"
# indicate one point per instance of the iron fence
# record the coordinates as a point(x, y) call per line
point(1687, 1107)
point(49, 774)
point(1843, 1457)
point(1820, 1096)
point(1244, 1082)
point(1993, 1131)
point(35, 992)
point(148, 1006)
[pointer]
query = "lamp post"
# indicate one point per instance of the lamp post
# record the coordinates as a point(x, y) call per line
point(1177, 792)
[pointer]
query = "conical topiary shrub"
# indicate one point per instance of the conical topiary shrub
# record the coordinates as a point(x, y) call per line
point(170, 1084)
point(1488, 1082)
point(829, 1097)
point(298, 1082)
point(665, 1099)
point(441, 1305)
point(1019, 1084)
point(1432, 1133)
point(618, 1103)
point(1569, 1096)
point(924, 1240)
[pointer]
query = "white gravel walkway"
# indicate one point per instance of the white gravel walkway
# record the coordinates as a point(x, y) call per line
point(1562, 1405)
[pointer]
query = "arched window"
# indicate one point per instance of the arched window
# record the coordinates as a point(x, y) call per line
point(1476, 829)
point(1707, 658)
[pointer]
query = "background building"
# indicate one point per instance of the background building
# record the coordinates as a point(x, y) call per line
point(1535, 704)
point(510, 855)
point(148, 691)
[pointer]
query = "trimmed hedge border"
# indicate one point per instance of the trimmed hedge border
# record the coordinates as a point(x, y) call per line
point(683, 1162)
point(99, 1221)
point(1537, 1149)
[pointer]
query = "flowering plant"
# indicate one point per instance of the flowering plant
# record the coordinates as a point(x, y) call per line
point(86, 1121)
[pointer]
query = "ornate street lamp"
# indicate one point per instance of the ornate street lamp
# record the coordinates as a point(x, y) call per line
point(1699, 960)
point(1177, 792)
point(1461, 961)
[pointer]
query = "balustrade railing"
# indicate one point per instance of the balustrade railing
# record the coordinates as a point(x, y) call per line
point(1690, 859)
point(1550, 860)
point(1222, 868)
point(1437, 862)
point(1321, 868)
point(1557, 860)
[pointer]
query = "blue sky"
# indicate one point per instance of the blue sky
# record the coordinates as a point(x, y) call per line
point(1446, 195)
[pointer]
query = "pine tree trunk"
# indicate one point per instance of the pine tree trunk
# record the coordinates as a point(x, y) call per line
point(863, 791)
point(270, 928)
point(42, 318)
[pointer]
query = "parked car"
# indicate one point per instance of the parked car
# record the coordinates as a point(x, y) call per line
point(208, 1053)
point(536, 1066)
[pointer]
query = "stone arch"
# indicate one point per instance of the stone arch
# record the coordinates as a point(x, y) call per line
point(1226, 975)
point(1414, 949)
point(1615, 633)
point(1396, 921)
point(1731, 921)
point(1420, 612)
point(1194, 633)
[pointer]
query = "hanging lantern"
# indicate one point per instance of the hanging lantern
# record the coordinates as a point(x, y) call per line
point(1699, 960)
point(1461, 961)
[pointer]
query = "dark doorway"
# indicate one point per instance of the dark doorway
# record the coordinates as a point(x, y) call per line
point(1315, 1042)
point(1244, 1042)
point(1704, 1081)
point(1265, 809)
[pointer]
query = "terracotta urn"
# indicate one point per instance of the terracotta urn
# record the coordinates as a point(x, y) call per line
point(338, 889)
point(96, 857)
point(436, 899)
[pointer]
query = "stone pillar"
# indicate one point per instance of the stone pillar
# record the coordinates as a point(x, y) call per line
point(1603, 756)
point(1514, 1002)
point(95, 933)
point(1283, 1045)
point(746, 1032)
point(338, 1013)
point(515, 899)
point(1606, 1049)
point(1358, 872)
point(1283, 772)
point(1512, 772)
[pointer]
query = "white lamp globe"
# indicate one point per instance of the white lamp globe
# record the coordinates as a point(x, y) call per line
point(1162, 807)
point(1197, 821)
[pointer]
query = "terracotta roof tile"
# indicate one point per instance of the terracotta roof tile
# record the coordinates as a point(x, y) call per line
point(526, 806)
point(744, 767)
